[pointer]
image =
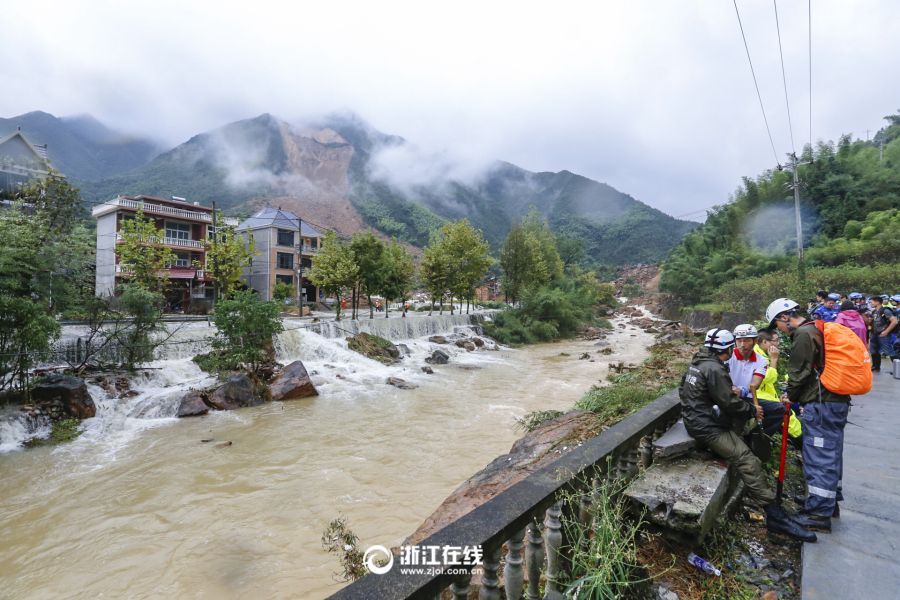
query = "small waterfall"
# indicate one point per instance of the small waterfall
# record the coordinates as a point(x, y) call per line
point(320, 346)
point(17, 427)
point(397, 328)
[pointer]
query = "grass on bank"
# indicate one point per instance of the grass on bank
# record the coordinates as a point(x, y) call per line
point(62, 431)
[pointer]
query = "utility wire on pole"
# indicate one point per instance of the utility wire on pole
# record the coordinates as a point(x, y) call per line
point(784, 79)
point(758, 95)
point(300, 262)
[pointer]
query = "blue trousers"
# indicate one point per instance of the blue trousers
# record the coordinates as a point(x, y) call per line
point(881, 345)
point(823, 454)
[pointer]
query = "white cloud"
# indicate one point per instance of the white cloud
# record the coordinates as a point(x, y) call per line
point(652, 97)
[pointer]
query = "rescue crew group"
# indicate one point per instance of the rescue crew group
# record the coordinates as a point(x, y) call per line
point(735, 369)
point(873, 319)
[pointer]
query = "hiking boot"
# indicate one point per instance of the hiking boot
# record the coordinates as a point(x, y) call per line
point(780, 522)
point(813, 522)
point(801, 500)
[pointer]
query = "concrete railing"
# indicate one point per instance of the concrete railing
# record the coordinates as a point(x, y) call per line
point(151, 208)
point(170, 241)
point(617, 453)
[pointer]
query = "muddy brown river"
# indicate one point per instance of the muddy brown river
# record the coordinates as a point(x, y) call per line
point(139, 508)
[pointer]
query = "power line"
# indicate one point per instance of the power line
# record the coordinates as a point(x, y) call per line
point(758, 95)
point(784, 78)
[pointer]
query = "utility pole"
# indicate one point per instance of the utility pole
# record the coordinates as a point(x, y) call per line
point(300, 262)
point(215, 257)
point(801, 268)
point(867, 134)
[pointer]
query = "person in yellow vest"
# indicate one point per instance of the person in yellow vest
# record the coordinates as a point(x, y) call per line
point(767, 347)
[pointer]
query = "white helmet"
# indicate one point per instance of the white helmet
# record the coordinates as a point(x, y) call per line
point(781, 305)
point(719, 339)
point(745, 331)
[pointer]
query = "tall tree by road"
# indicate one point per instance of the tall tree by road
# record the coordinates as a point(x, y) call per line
point(334, 269)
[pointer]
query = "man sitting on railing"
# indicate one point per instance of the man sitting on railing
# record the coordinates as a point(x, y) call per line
point(715, 416)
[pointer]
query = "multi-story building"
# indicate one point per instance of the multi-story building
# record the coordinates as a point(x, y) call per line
point(287, 252)
point(186, 227)
point(20, 162)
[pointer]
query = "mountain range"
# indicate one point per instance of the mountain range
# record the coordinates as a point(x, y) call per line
point(338, 171)
point(81, 147)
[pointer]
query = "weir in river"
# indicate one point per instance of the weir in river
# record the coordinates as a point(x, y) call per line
point(138, 506)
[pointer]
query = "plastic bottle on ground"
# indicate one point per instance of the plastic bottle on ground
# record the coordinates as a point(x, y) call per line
point(703, 565)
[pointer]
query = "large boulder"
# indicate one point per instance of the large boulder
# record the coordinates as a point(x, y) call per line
point(469, 346)
point(193, 404)
point(374, 347)
point(292, 382)
point(237, 392)
point(437, 339)
point(70, 391)
point(438, 357)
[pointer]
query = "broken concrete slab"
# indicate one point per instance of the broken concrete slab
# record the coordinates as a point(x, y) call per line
point(681, 498)
point(674, 442)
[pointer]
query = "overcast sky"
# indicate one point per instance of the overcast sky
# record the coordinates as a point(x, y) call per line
point(652, 97)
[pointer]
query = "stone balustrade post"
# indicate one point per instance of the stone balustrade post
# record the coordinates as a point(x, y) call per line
point(459, 589)
point(534, 559)
point(553, 542)
point(513, 575)
point(490, 580)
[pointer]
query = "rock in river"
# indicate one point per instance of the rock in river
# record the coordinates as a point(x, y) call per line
point(193, 404)
point(71, 391)
point(438, 357)
point(238, 391)
point(437, 339)
point(292, 382)
point(400, 383)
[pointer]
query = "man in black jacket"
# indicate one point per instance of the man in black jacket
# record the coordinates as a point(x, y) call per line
point(824, 415)
point(714, 415)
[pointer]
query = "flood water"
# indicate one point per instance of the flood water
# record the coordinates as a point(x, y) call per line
point(138, 507)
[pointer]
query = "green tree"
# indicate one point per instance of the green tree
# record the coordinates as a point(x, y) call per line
point(143, 253)
point(245, 329)
point(334, 269)
point(373, 264)
point(35, 240)
point(282, 292)
point(469, 258)
point(454, 261)
point(139, 338)
point(540, 230)
point(227, 255)
point(521, 261)
point(400, 277)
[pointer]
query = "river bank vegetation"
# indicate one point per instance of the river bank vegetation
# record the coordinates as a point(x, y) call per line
point(745, 253)
point(551, 298)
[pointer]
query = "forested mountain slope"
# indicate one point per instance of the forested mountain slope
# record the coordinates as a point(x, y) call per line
point(850, 198)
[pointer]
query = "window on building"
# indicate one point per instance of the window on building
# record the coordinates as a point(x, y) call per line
point(306, 263)
point(182, 259)
point(288, 279)
point(179, 231)
point(285, 237)
point(313, 242)
point(285, 260)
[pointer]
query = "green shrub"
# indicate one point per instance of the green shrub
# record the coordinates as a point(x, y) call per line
point(753, 295)
point(603, 323)
point(62, 431)
point(245, 327)
point(631, 290)
point(533, 420)
point(512, 327)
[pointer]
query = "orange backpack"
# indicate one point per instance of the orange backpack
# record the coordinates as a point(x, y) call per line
point(848, 364)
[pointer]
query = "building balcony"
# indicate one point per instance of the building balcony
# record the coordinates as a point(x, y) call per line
point(159, 209)
point(174, 242)
point(173, 272)
point(309, 250)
